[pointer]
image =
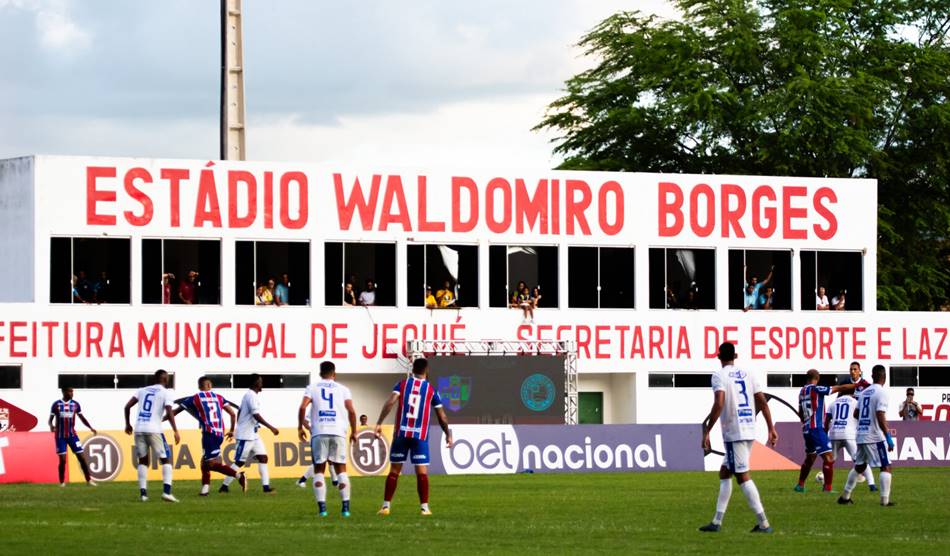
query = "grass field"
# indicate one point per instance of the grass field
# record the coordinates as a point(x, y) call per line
point(554, 514)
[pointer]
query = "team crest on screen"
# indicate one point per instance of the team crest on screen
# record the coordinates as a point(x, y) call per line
point(455, 391)
point(5, 420)
point(537, 392)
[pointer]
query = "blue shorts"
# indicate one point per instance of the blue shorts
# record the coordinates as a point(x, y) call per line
point(210, 446)
point(816, 441)
point(72, 442)
point(416, 450)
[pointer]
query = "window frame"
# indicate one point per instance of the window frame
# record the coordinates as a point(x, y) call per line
point(863, 255)
point(254, 242)
point(18, 366)
point(220, 241)
point(598, 248)
point(791, 270)
point(72, 264)
point(507, 245)
point(665, 248)
point(425, 264)
point(343, 243)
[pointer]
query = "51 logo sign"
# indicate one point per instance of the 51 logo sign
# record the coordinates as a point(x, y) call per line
point(369, 454)
point(104, 457)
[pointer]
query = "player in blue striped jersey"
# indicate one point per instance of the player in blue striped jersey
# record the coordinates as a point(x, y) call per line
point(811, 408)
point(413, 397)
point(64, 412)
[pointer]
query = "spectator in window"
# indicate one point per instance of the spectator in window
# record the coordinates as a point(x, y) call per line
point(535, 297)
point(84, 288)
point(837, 302)
point(265, 294)
point(821, 300)
point(101, 290)
point(910, 409)
point(753, 288)
point(368, 297)
point(445, 296)
point(349, 295)
point(77, 297)
point(188, 289)
point(767, 299)
point(671, 301)
point(692, 297)
point(430, 300)
point(364, 421)
point(524, 303)
point(167, 288)
point(282, 291)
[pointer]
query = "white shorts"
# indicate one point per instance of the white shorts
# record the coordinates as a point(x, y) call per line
point(738, 455)
point(151, 440)
point(326, 447)
point(873, 455)
point(245, 450)
point(848, 444)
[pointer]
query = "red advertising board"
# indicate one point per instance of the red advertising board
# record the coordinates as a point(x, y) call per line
point(28, 457)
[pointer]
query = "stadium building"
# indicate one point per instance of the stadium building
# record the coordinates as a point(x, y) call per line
point(640, 276)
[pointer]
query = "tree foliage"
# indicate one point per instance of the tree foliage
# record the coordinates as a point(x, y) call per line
point(838, 88)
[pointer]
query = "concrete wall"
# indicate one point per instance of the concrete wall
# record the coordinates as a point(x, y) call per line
point(16, 230)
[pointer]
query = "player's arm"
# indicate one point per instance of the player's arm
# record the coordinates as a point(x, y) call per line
point(719, 399)
point(233, 415)
point(301, 417)
point(171, 421)
point(128, 407)
point(882, 422)
point(827, 422)
point(351, 414)
point(85, 422)
point(387, 407)
point(52, 427)
point(762, 405)
point(259, 419)
point(444, 423)
point(846, 388)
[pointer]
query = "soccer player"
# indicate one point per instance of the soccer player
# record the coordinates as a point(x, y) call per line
point(249, 444)
point(842, 427)
point(328, 433)
point(308, 473)
point(860, 383)
point(874, 439)
point(811, 409)
point(732, 388)
point(154, 402)
point(209, 408)
point(414, 396)
point(65, 412)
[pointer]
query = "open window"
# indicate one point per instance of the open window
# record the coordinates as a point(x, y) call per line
point(181, 271)
point(282, 268)
point(832, 279)
point(760, 279)
point(600, 277)
point(510, 266)
point(89, 270)
point(682, 278)
point(451, 271)
point(360, 274)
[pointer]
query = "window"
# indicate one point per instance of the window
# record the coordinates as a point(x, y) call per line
point(181, 271)
point(220, 381)
point(509, 266)
point(89, 270)
point(826, 379)
point(360, 270)
point(764, 278)
point(273, 381)
point(110, 381)
point(837, 275)
point(283, 267)
point(682, 278)
point(903, 376)
point(11, 377)
point(600, 277)
point(434, 266)
point(933, 376)
point(660, 380)
point(679, 380)
point(779, 380)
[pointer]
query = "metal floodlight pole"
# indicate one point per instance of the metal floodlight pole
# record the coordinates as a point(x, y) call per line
point(232, 81)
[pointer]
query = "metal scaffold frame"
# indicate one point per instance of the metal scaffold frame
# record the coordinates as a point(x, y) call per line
point(499, 348)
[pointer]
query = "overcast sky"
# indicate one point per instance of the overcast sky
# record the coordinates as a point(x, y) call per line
point(404, 83)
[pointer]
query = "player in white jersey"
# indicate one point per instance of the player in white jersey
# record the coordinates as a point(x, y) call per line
point(249, 445)
point(155, 402)
point(308, 472)
point(873, 438)
point(737, 396)
point(842, 426)
point(328, 431)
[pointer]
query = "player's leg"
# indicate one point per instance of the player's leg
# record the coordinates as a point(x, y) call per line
point(76, 447)
point(810, 455)
point(884, 464)
point(164, 454)
point(823, 449)
point(420, 458)
point(319, 447)
point(398, 454)
point(260, 455)
point(337, 460)
point(241, 449)
point(725, 491)
point(743, 456)
point(307, 475)
point(142, 451)
point(61, 454)
point(860, 464)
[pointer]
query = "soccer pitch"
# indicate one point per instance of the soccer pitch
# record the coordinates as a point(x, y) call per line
point(534, 513)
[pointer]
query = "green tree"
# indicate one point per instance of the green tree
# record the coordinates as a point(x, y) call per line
point(838, 88)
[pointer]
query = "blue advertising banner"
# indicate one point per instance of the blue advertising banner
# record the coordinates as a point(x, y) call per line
point(498, 449)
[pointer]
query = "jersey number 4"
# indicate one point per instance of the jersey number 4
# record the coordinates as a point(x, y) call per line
point(326, 398)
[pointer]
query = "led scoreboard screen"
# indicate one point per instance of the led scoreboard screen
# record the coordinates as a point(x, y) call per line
point(503, 389)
